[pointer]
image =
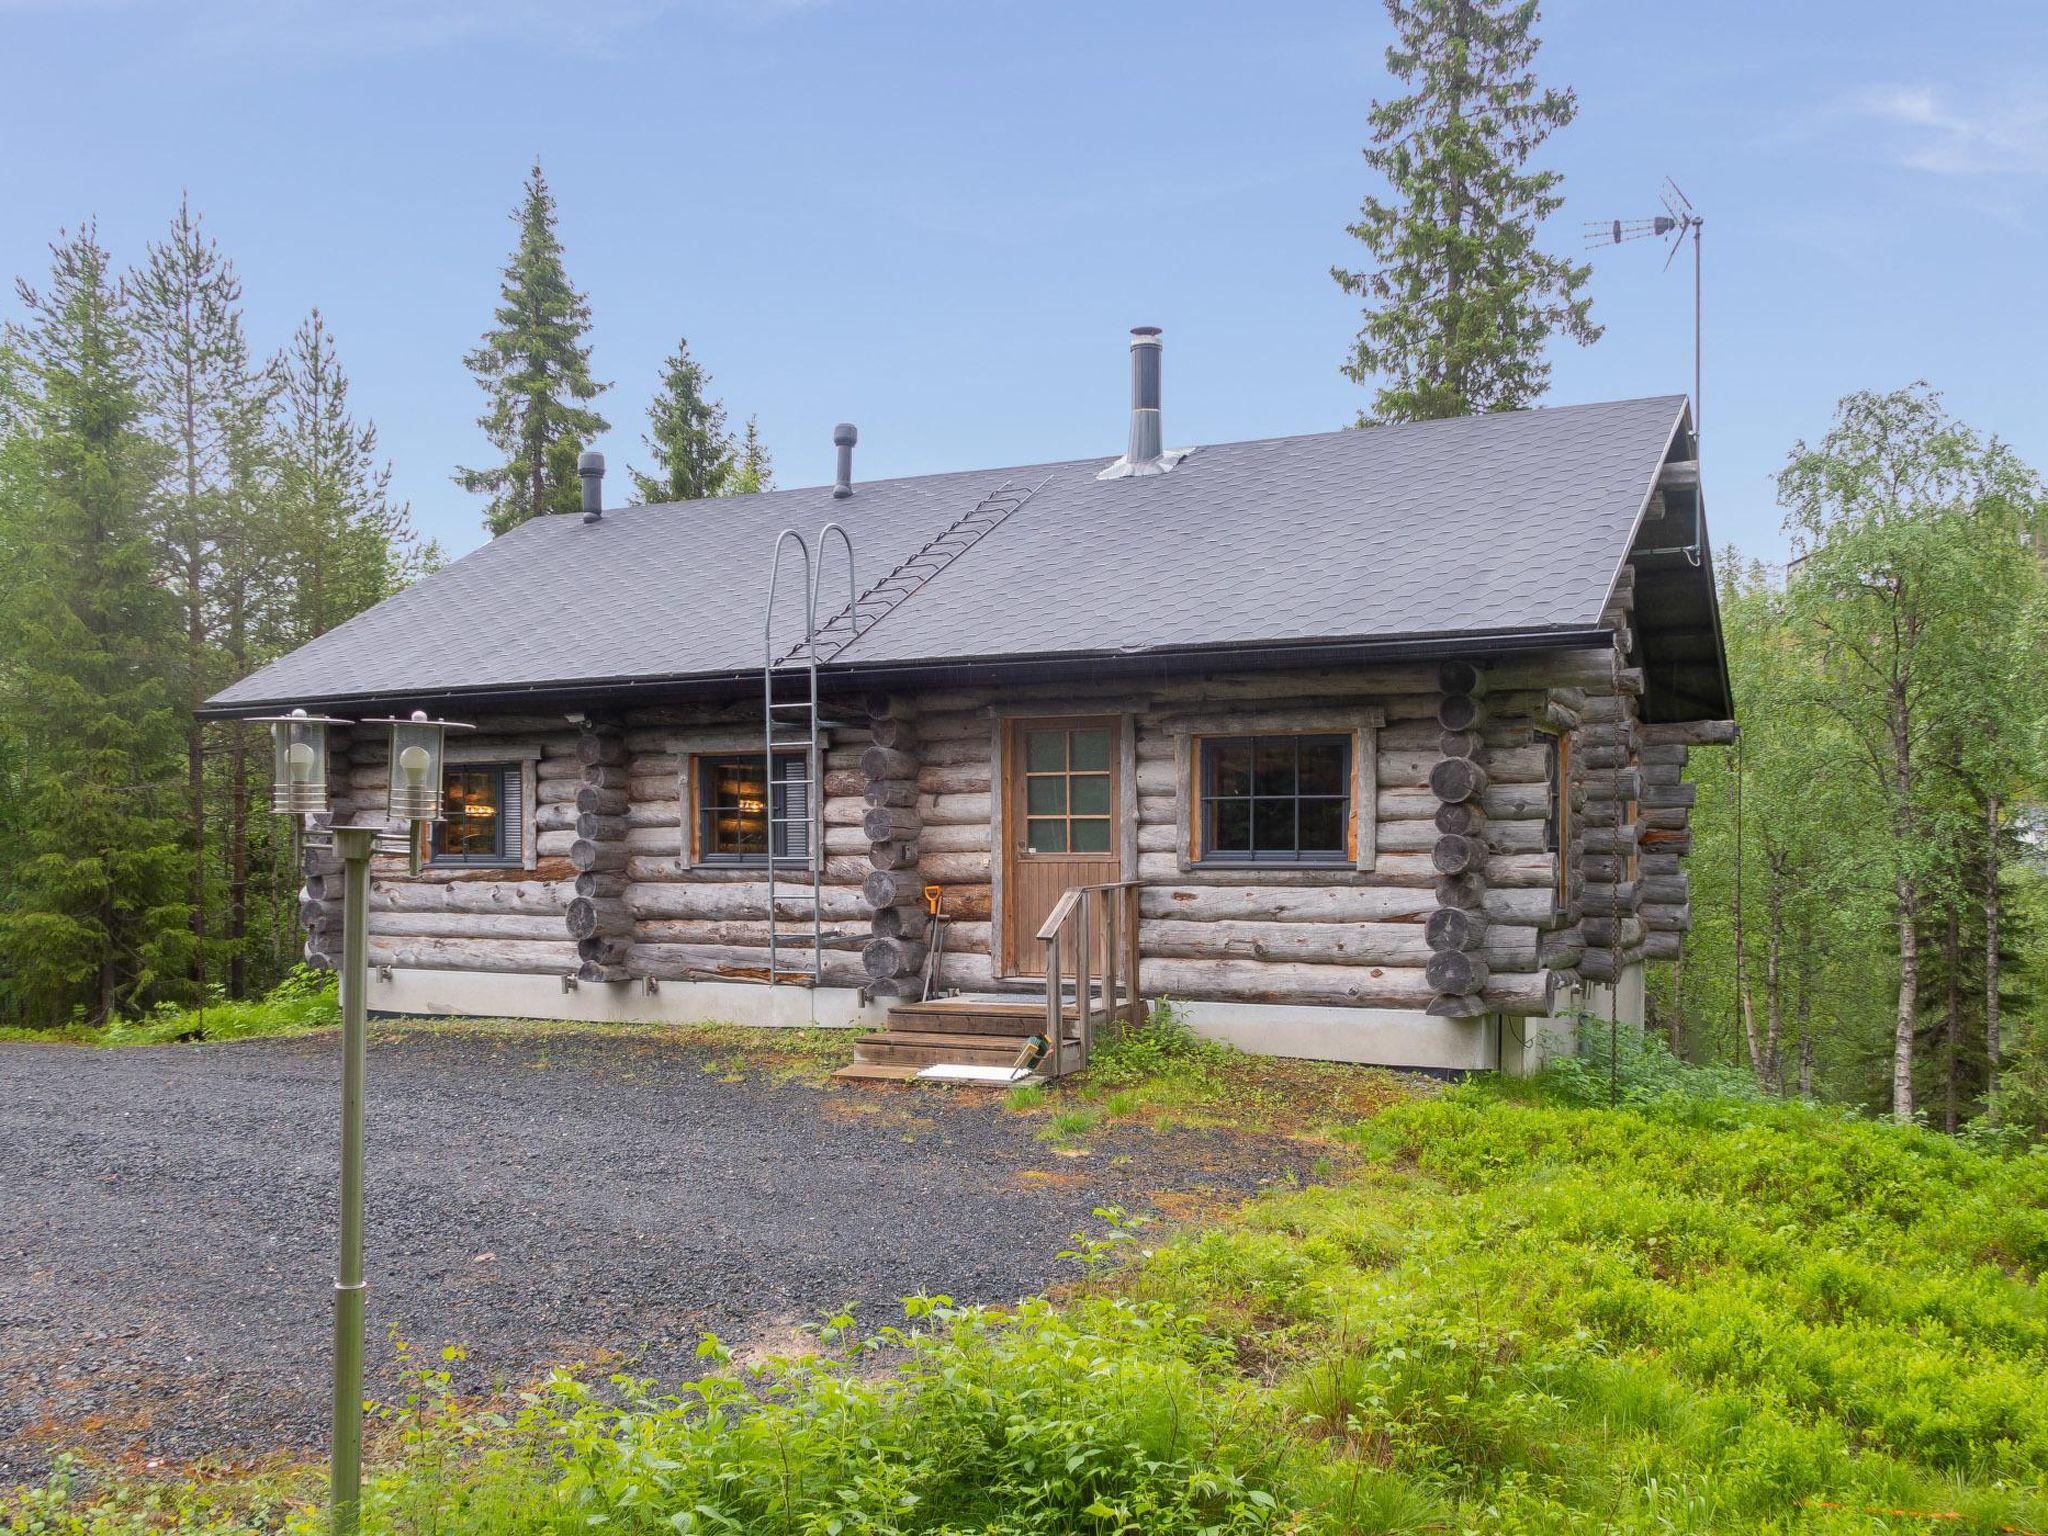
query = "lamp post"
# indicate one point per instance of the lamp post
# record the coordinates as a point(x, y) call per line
point(300, 789)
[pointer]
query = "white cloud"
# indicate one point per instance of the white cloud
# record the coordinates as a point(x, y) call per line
point(1951, 133)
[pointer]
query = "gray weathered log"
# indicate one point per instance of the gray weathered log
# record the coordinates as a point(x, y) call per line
point(595, 800)
point(1459, 1007)
point(1460, 743)
point(892, 957)
point(895, 853)
point(590, 917)
point(1460, 712)
point(1458, 676)
point(586, 855)
point(887, 763)
point(1456, 928)
point(900, 793)
point(1690, 733)
point(1457, 778)
point(1457, 972)
point(601, 747)
point(1466, 817)
point(1453, 854)
point(883, 822)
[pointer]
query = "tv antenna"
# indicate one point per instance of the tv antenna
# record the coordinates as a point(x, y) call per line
point(1678, 220)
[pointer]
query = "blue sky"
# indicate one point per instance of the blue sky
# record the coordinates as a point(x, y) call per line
point(938, 219)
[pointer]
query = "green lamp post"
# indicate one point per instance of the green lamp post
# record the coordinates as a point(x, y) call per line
point(300, 790)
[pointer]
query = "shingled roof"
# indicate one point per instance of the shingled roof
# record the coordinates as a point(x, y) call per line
point(1500, 529)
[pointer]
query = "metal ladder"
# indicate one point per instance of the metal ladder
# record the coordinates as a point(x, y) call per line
point(865, 610)
point(802, 798)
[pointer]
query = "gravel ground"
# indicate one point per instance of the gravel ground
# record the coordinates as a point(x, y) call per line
point(167, 1213)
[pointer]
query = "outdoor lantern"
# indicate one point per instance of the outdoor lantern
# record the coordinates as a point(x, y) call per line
point(299, 780)
point(418, 749)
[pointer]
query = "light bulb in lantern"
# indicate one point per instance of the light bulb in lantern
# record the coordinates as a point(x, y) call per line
point(414, 760)
point(299, 761)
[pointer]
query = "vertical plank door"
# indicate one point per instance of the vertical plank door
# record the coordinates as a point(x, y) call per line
point(1061, 824)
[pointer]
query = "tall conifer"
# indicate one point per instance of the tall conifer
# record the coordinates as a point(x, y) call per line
point(1459, 301)
point(752, 470)
point(534, 367)
point(693, 452)
point(98, 905)
point(205, 404)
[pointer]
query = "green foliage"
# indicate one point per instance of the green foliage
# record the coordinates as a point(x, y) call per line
point(95, 900)
point(305, 999)
point(534, 368)
point(1625, 1066)
point(1696, 1313)
point(1165, 1048)
point(1460, 303)
point(1852, 855)
point(694, 455)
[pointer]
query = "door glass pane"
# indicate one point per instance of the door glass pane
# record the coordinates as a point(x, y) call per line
point(1045, 751)
point(1091, 834)
point(1275, 767)
point(1233, 760)
point(1322, 826)
point(1232, 832)
point(1090, 794)
point(1046, 836)
point(1091, 750)
point(1046, 796)
point(1272, 825)
point(1322, 768)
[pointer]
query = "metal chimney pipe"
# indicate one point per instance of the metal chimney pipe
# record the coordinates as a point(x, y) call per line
point(590, 470)
point(1147, 443)
point(844, 436)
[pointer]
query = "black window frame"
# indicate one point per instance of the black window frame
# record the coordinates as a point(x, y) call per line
point(702, 779)
point(1207, 800)
point(509, 852)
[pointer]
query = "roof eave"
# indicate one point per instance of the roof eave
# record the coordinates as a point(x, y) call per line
point(849, 676)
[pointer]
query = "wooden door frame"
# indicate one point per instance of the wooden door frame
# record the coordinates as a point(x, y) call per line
point(1003, 724)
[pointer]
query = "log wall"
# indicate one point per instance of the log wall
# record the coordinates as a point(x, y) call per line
point(1461, 911)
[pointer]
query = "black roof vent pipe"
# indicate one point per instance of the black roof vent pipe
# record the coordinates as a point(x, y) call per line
point(844, 436)
point(1147, 453)
point(590, 470)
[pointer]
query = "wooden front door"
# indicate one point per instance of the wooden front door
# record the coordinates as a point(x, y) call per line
point(1061, 823)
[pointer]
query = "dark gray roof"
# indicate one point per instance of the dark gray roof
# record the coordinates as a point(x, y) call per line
point(1509, 524)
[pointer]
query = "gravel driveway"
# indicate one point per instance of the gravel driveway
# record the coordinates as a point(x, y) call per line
point(166, 1218)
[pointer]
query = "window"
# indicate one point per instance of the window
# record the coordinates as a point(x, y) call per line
point(481, 816)
point(1275, 799)
point(1557, 821)
point(1067, 789)
point(739, 816)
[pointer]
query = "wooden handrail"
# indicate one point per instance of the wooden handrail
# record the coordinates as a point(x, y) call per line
point(1119, 913)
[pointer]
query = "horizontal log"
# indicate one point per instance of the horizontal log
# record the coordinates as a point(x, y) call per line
point(548, 898)
point(1690, 733)
point(721, 962)
point(1393, 943)
point(1463, 817)
point(595, 800)
point(1502, 802)
point(894, 853)
point(1460, 743)
point(893, 957)
point(1457, 778)
point(585, 854)
point(1666, 917)
point(1456, 972)
point(464, 925)
point(600, 746)
point(1670, 796)
point(897, 735)
point(498, 956)
point(1421, 837)
point(1663, 946)
point(1458, 1007)
point(901, 793)
point(1325, 904)
point(1457, 928)
point(600, 829)
point(885, 763)
point(704, 902)
point(1356, 986)
point(1460, 712)
point(1452, 854)
point(600, 884)
point(594, 917)
point(882, 822)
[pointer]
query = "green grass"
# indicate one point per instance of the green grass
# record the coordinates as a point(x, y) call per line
point(1516, 1312)
point(304, 1000)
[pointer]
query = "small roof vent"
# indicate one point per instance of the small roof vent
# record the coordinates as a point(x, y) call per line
point(1144, 456)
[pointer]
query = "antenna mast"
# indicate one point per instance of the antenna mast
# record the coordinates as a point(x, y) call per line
point(1678, 220)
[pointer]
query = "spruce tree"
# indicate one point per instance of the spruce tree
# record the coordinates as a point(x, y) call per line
point(693, 453)
point(97, 910)
point(342, 543)
point(1459, 301)
point(206, 403)
point(751, 469)
point(534, 368)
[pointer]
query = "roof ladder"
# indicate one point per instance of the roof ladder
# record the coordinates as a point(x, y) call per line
point(867, 609)
point(794, 802)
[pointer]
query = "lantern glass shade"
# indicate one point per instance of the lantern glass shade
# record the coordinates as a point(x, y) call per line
point(298, 785)
point(418, 757)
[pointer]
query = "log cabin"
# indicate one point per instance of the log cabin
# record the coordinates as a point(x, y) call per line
point(1367, 745)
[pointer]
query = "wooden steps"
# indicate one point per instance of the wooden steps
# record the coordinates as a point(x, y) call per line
point(945, 1031)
